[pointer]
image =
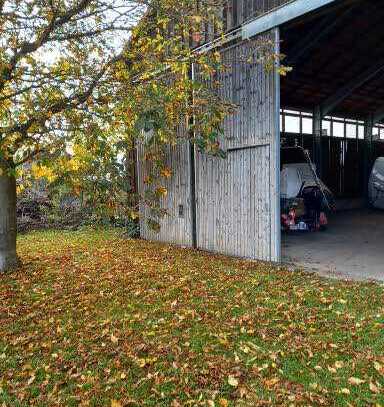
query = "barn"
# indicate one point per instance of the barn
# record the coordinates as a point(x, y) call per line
point(331, 104)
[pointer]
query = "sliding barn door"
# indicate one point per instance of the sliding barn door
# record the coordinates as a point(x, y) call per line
point(237, 198)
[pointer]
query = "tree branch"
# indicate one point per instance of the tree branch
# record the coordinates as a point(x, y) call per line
point(29, 47)
point(59, 106)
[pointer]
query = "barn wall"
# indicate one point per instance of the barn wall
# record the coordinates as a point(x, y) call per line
point(238, 197)
point(174, 227)
point(237, 12)
point(245, 10)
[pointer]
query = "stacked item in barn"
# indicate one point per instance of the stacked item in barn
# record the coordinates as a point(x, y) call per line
point(376, 184)
point(305, 200)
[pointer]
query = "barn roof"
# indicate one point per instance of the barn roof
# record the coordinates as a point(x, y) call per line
point(337, 56)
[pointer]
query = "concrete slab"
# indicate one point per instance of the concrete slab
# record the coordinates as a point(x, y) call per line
point(352, 247)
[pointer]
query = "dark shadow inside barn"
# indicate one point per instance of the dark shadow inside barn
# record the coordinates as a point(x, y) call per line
point(332, 105)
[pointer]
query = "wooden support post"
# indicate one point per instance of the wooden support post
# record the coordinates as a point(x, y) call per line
point(317, 132)
point(192, 168)
point(368, 152)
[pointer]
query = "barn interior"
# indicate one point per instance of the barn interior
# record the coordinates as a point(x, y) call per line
point(333, 106)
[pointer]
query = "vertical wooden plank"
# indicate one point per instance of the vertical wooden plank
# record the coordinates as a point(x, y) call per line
point(173, 228)
point(239, 217)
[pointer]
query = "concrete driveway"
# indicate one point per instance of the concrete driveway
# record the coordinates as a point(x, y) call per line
point(352, 247)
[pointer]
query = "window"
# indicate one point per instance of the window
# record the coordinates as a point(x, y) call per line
point(338, 129)
point(326, 128)
point(360, 131)
point(292, 124)
point(298, 122)
point(307, 125)
point(293, 121)
point(350, 130)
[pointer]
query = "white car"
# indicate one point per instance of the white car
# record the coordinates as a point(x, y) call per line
point(376, 184)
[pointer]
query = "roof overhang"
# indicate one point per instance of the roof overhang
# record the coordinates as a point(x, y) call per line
point(338, 60)
point(266, 22)
point(281, 15)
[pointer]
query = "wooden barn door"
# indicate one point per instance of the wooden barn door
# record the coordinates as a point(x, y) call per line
point(176, 224)
point(237, 198)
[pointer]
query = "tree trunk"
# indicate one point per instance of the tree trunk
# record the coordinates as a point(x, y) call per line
point(8, 256)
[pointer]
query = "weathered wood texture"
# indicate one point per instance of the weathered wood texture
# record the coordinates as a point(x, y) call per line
point(176, 225)
point(239, 11)
point(234, 14)
point(237, 197)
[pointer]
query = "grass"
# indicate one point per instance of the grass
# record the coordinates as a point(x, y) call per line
point(92, 319)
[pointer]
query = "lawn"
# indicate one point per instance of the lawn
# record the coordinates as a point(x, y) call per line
point(93, 319)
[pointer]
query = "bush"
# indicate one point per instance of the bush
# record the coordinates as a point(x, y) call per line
point(63, 211)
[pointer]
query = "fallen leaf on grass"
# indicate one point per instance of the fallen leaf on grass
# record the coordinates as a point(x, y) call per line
point(232, 381)
point(355, 381)
point(31, 380)
point(339, 364)
point(345, 391)
point(114, 339)
point(373, 388)
point(378, 367)
point(115, 403)
point(272, 382)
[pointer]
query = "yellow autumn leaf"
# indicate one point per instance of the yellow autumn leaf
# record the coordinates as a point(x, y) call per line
point(42, 171)
point(272, 382)
point(161, 191)
point(19, 188)
point(116, 403)
point(166, 172)
point(197, 19)
point(223, 403)
point(134, 215)
point(147, 180)
point(142, 362)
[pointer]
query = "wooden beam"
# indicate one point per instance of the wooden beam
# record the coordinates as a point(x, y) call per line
point(266, 22)
point(281, 15)
point(378, 116)
point(317, 34)
point(368, 128)
point(334, 100)
point(317, 133)
point(367, 153)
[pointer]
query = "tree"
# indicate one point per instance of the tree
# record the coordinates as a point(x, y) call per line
point(56, 58)
point(67, 67)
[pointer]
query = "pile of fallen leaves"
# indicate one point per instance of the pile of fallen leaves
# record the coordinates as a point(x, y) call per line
point(92, 319)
